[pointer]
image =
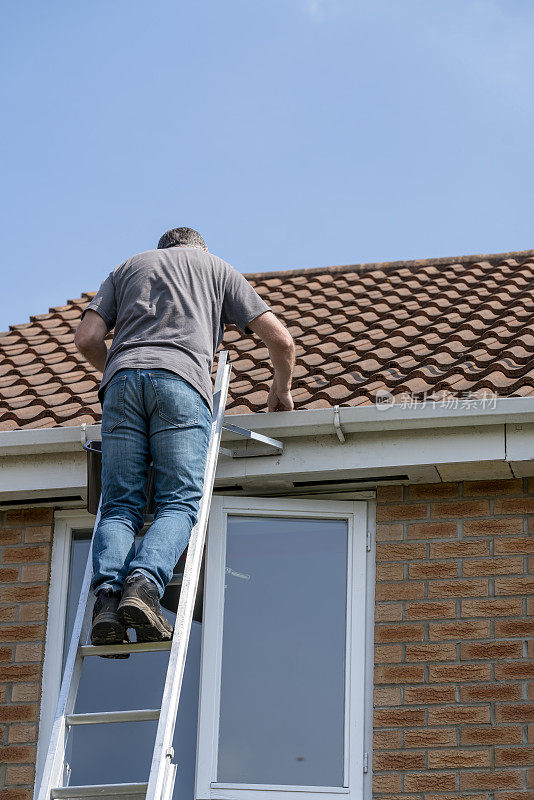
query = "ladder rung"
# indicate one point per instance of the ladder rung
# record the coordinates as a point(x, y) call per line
point(116, 649)
point(123, 790)
point(99, 717)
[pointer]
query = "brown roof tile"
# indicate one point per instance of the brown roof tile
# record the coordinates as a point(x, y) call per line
point(442, 325)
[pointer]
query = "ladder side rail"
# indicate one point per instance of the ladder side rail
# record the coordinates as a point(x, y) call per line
point(160, 783)
point(55, 758)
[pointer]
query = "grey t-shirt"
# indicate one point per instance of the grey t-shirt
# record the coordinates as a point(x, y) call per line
point(169, 308)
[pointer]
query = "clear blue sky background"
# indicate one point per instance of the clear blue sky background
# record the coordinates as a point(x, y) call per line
point(289, 132)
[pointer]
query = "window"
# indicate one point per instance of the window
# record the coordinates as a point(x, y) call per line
point(278, 662)
point(282, 703)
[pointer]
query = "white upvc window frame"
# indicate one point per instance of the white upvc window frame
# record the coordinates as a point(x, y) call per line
point(355, 512)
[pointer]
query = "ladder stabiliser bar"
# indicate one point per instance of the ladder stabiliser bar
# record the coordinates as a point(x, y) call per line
point(123, 790)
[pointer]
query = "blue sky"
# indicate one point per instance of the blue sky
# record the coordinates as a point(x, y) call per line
point(291, 133)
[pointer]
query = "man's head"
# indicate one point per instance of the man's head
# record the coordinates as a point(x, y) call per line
point(185, 237)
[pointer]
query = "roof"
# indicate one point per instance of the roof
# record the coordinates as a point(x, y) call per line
point(447, 326)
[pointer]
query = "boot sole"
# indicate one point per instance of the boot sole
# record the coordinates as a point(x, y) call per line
point(107, 629)
point(147, 625)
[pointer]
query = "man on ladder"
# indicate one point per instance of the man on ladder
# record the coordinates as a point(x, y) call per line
point(168, 307)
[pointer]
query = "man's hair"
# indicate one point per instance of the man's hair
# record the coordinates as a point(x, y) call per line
point(181, 236)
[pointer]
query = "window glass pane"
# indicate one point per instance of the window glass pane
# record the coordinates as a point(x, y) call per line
point(283, 660)
point(117, 753)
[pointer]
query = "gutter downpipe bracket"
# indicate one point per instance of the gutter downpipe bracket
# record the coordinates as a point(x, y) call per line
point(337, 426)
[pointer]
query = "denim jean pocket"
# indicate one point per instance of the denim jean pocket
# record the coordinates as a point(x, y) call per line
point(113, 411)
point(178, 402)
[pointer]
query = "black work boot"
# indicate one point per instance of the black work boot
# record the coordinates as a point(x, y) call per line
point(107, 627)
point(140, 609)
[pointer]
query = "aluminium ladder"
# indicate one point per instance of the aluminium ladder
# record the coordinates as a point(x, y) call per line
point(162, 770)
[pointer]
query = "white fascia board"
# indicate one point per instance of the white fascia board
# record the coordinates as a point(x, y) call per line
point(312, 422)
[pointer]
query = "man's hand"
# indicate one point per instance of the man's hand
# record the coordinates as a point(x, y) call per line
point(89, 339)
point(279, 401)
point(282, 352)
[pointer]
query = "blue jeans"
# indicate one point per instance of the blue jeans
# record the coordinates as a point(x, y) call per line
point(148, 415)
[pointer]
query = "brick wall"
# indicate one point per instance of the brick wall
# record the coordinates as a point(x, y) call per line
point(25, 544)
point(453, 706)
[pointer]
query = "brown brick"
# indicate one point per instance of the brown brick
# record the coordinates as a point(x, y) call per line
point(6, 654)
point(458, 549)
point(520, 670)
point(430, 652)
point(20, 672)
point(12, 713)
point(456, 759)
point(35, 573)
point(455, 796)
point(459, 672)
point(492, 607)
point(403, 759)
point(391, 551)
point(531, 733)
point(386, 571)
point(436, 610)
point(25, 692)
point(17, 775)
point(7, 613)
point(517, 712)
point(399, 633)
point(429, 737)
point(24, 594)
point(388, 494)
point(391, 718)
point(25, 553)
point(16, 754)
point(423, 695)
point(491, 487)
point(431, 491)
point(389, 533)
point(388, 654)
point(434, 569)
point(386, 783)
point(41, 533)
point(10, 536)
point(383, 740)
point(460, 508)
point(393, 513)
point(21, 633)
point(513, 505)
point(498, 734)
point(9, 575)
point(386, 696)
point(474, 567)
point(490, 691)
point(523, 628)
point(22, 733)
point(429, 782)
point(457, 715)
point(493, 527)
point(519, 795)
point(433, 530)
point(491, 779)
point(514, 756)
point(401, 590)
point(388, 612)
point(28, 652)
point(522, 545)
point(458, 588)
point(32, 612)
point(400, 673)
point(520, 585)
point(17, 794)
point(489, 650)
point(460, 629)
point(24, 516)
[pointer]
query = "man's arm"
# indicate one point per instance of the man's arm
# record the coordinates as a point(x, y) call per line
point(282, 352)
point(89, 339)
